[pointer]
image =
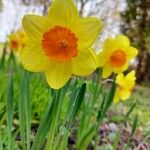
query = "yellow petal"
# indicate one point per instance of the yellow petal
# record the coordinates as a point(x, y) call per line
point(131, 76)
point(57, 74)
point(63, 12)
point(122, 40)
point(120, 78)
point(108, 45)
point(102, 58)
point(121, 69)
point(33, 58)
point(131, 52)
point(86, 30)
point(34, 26)
point(125, 94)
point(105, 53)
point(130, 79)
point(117, 96)
point(85, 63)
point(107, 70)
point(126, 82)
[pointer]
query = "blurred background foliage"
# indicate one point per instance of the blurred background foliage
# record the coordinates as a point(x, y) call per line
point(108, 11)
point(136, 25)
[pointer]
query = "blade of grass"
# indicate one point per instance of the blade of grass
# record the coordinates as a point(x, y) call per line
point(96, 92)
point(2, 62)
point(1, 143)
point(78, 101)
point(108, 101)
point(71, 102)
point(22, 114)
point(130, 111)
point(134, 126)
point(116, 141)
point(27, 108)
point(11, 59)
point(99, 115)
point(9, 109)
point(75, 102)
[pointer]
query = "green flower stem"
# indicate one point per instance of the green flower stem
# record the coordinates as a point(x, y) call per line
point(28, 110)
point(21, 113)
point(96, 92)
point(55, 116)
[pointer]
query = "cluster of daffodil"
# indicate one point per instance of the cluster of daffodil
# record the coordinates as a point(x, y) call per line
point(17, 40)
point(115, 57)
point(60, 46)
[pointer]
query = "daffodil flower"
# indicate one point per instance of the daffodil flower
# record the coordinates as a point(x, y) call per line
point(115, 55)
point(125, 86)
point(14, 42)
point(17, 40)
point(60, 43)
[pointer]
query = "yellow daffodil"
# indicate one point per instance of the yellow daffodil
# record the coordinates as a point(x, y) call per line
point(116, 55)
point(60, 43)
point(17, 40)
point(125, 86)
point(14, 42)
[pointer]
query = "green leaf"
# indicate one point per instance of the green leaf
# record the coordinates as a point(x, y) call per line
point(130, 111)
point(54, 122)
point(71, 102)
point(108, 101)
point(101, 108)
point(27, 108)
point(110, 97)
point(75, 102)
point(21, 106)
point(2, 105)
point(1, 143)
point(2, 62)
point(116, 141)
point(78, 101)
point(134, 126)
point(9, 109)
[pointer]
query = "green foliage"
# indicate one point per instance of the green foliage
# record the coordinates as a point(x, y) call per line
point(9, 110)
point(136, 25)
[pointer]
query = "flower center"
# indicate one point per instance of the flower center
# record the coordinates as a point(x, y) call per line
point(14, 44)
point(118, 58)
point(60, 44)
